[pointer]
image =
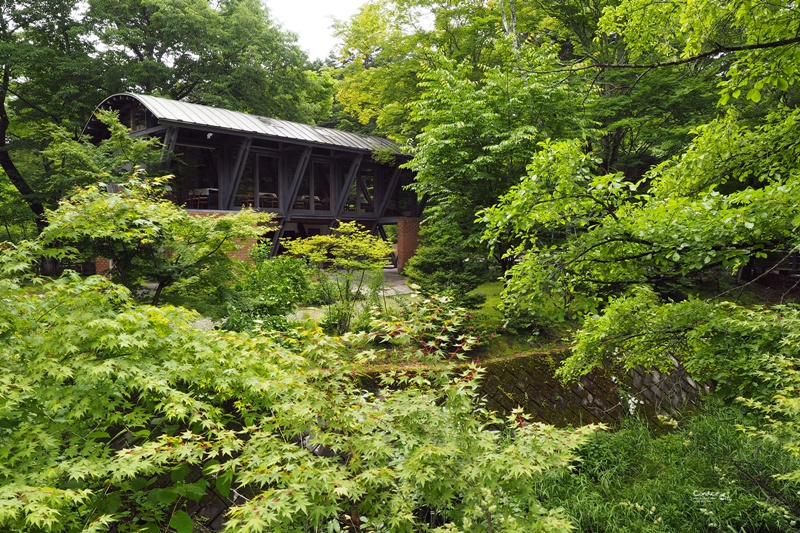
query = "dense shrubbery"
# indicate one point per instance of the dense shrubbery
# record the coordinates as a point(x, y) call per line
point(433, 325)
point(268, 290)
point(619, 194)
point(700, 475)
point(118, 416)
point(448, 271)
point(351, 258)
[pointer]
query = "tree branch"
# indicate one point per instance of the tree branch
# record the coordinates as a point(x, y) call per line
point(720, 49)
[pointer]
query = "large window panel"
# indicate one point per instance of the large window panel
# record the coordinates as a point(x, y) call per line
point(322, 186)
point(268, 182)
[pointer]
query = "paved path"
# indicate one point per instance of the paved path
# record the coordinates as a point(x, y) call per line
point(394, 285)
point(394, 282)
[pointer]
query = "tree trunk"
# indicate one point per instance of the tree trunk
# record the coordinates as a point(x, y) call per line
point(7, 164)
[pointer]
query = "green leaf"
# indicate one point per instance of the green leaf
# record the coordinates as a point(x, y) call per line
point(223, 484)
point(112, 503)
point(179, 474)
point(754, 95)
point(181, 522)
point(164, 496)
point(195, 491)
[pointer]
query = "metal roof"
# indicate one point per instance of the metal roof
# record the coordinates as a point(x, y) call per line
point(196, 115)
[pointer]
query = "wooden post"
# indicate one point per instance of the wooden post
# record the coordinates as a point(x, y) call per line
point(170, 138)
point(388, 195)
point(236, 174)
point(298, 177)
point(348, 182)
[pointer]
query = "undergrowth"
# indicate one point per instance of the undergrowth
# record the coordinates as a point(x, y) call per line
point(703, 475)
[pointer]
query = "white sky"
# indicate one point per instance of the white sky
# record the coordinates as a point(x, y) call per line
point(311, 20)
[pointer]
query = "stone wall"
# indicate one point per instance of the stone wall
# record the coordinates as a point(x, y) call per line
point(529, 382)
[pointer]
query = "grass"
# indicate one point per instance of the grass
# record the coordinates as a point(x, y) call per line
point(489, 313)
point(698, 476)
point(499, 342)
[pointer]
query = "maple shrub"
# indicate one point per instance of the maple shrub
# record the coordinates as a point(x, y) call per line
point(116, 415)
point(352, 259)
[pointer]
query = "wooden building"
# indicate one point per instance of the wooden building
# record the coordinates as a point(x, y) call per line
point(309, 176)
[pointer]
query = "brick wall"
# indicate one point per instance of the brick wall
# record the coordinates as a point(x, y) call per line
point(102, 266)
point(407, 240)
point(243, 248)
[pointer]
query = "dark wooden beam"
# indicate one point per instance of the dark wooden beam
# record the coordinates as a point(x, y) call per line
point(237, 171)
point(389, 191)
point(365, 191)
point(170, 138)
point(348, 182)
point(150, 131)
point(223, 174)
point(298, 177)
point(276, 239)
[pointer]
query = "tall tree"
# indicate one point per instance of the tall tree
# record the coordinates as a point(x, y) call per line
point(729, 196)
point(229, 54)
point(387, 43)
point(525, 72)
point(477, 136)
point(60, 58)
point(46, 75)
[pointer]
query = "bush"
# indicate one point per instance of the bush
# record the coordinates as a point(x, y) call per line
point(121, 417)
point(449, 271)
point(434, 325)
point(322, 291)
point(707, 476)
point(267, 292)
point(354, 259)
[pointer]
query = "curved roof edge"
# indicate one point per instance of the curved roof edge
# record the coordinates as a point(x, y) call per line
point(198, 116)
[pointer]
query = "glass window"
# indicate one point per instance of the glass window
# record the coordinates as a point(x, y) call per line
point(268, 182)
point(322, 186)
point(245, 194)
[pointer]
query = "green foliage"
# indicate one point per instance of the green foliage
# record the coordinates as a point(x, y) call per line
point(477, 135)
point(435, 325)
point(146, 237)
point(349, 247)
point(353, 258)
point(705, 475)
point(743, 351)
point(694, 28)
point(384, 48)
point(119, 416)
point(18, 221)
point(322, 289)
point(231, 54)
point(267, 291)
point(81, 163)
point(717, 204)
point(493, 80)
point(782, 410)
point(447, 270)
